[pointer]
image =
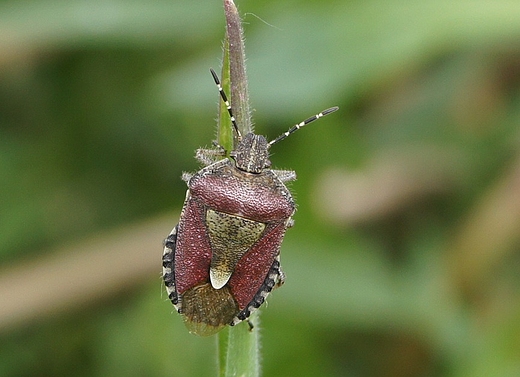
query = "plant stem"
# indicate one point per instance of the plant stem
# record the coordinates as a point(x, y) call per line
point(238, 350)
point(238, 346)
point(237, 68)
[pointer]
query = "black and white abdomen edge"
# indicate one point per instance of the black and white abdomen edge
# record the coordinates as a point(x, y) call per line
point(274, 279)
point(168, 262)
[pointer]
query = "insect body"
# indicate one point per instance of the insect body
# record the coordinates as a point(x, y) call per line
point(223, 258)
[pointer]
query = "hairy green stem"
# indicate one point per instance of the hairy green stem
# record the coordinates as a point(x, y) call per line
point(238, 346)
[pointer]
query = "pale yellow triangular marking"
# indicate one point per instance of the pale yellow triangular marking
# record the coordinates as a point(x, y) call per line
point(231, 237)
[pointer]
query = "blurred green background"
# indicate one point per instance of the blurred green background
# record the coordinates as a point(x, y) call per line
point(405, 256)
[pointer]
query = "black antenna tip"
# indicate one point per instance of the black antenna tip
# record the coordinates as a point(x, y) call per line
point(331, 110)
point(215, 77)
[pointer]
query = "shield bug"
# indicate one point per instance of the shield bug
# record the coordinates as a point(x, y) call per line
point(223, 258)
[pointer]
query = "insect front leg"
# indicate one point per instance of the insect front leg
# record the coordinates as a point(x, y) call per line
point(285, 175)
point(210, 156)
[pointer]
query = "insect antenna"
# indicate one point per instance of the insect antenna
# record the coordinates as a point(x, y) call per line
point(226, 102)
point(304, 123)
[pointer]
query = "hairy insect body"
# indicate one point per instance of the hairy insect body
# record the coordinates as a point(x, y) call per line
point(223, 258)
point(231, 226)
